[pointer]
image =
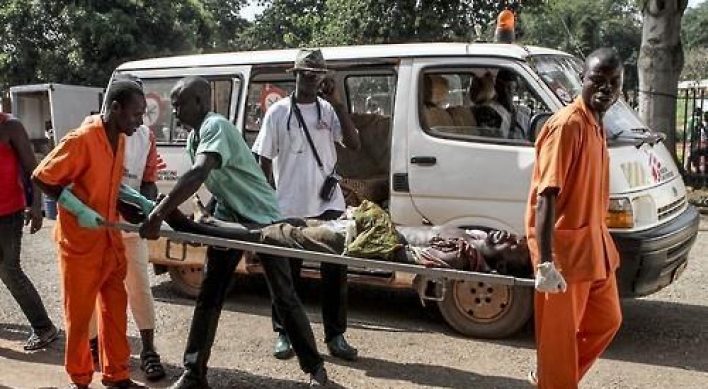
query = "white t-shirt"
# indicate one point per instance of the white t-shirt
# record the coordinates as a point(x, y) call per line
point(298, 177)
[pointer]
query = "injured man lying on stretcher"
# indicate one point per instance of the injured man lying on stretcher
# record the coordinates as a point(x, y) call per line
point(367, 232)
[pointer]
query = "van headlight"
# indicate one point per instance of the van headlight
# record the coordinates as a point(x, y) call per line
point(620, 214)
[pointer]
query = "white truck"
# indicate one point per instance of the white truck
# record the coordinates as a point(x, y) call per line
point(50, 111)
point(53, 109)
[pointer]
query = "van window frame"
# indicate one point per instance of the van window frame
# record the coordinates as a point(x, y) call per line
point(391, 71)
point(433, 69)
point(147, 75)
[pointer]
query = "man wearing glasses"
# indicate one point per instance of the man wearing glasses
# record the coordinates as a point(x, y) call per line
point(296, 148)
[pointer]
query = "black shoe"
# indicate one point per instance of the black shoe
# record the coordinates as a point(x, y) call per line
point(319, 378)
point(338, 347)
point(38, 341)
point(77, 386)
point(188, 381)
point(283, 349)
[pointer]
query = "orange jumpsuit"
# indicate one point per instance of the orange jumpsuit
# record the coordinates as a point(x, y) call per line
point(92, 262)
point(575, 327)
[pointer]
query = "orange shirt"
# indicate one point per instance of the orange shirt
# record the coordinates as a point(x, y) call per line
point(85, 159)
point(571, 155)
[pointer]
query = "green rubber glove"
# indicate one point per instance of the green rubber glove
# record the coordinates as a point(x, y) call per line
point(130, 195)
point(88, 218)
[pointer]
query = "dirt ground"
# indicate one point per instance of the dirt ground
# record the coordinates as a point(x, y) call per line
point(663, 342)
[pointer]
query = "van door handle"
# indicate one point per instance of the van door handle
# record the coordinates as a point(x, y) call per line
point(425, 161)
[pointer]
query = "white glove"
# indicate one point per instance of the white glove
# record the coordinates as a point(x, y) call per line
point(549, 280)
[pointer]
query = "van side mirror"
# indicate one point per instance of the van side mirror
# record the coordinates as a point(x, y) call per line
point(536, 124)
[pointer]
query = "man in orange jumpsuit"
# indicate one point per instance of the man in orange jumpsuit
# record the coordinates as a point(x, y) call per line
point(84, 173)
point(568, 237)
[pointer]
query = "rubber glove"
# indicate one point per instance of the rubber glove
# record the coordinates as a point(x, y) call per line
point(130, 195)
point(88, 218)
point(549, 279)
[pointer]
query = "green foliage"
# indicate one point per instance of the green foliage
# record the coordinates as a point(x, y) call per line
point(297, 23)
point(694, 27)
point(580, 26)
point(83, 41)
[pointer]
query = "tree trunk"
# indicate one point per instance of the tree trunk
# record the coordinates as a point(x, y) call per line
point(660, 63)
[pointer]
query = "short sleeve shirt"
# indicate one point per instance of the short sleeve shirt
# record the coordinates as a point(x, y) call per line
point(239, 185)
point(298, 177)
point(572, 157)
point(84, 159)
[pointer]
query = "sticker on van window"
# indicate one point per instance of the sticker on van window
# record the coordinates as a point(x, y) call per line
point(270, 95)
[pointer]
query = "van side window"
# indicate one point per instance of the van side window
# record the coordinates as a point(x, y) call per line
point(490, 103)
point(159, 116)
point(365, 172)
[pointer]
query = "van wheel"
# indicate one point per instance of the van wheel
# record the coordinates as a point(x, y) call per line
point(483, 310)
point(187, 280)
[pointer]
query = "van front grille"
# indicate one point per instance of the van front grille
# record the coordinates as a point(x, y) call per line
point(671, 208)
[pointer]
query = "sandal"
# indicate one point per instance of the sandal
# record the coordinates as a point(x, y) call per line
point(150, 364)
point(124, 384)
point(40, 341)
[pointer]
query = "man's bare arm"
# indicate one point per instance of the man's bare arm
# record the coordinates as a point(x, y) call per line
point(545, 223)
point(267, 167)
point(185, 187)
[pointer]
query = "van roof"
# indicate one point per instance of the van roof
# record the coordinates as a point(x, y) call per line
point(343, 53)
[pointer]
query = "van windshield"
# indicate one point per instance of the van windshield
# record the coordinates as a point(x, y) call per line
point(562, 75)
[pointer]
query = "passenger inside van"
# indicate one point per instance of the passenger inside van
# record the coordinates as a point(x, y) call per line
point(507, 87)
point(435, 95)
point(492, 116)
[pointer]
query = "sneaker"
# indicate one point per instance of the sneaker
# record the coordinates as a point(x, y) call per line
point(283, 349)
point(319, 378)
point(338, 347)
point(532, 379)
point(38, 341)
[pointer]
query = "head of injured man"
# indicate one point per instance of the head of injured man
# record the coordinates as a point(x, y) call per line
point(507, 253)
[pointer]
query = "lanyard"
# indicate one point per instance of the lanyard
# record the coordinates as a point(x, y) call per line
point(294, 107)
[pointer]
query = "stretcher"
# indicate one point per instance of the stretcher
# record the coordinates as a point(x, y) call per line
point(437, 274)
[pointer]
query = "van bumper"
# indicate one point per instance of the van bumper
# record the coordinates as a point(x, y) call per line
point(653, 259)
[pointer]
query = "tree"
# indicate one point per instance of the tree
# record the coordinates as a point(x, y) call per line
point(296, 23)
point(660, 62)
point(694, 33)
point(82, 42)
point(580, 26)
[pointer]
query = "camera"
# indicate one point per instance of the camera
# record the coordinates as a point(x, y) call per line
point(329, 186)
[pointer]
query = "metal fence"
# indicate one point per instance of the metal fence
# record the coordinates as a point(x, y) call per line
point(692, 135)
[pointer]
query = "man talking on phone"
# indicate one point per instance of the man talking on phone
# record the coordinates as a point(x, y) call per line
point(296, 149)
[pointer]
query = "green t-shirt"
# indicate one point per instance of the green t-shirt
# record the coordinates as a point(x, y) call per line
point(239, 185)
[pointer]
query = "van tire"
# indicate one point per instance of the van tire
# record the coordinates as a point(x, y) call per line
point(503, 310)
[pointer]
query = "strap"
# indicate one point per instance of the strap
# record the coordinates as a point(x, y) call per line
point(300, 120)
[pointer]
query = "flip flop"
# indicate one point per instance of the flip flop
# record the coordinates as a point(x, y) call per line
point(150, 364)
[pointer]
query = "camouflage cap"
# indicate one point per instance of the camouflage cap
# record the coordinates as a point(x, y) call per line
point(311, 60)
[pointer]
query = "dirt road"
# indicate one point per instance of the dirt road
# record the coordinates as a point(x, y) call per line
point(662, 344)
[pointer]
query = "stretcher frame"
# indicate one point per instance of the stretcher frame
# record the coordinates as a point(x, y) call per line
point(437, 274)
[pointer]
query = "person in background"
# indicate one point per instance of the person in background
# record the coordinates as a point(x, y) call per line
point(222, 162)
point(17, 160)
point(296, 149)
point(577, 308)
point(140, 170)
point(84, 173)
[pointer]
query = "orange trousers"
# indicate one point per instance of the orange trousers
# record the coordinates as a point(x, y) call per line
point(573, 329)
point(95, 284)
